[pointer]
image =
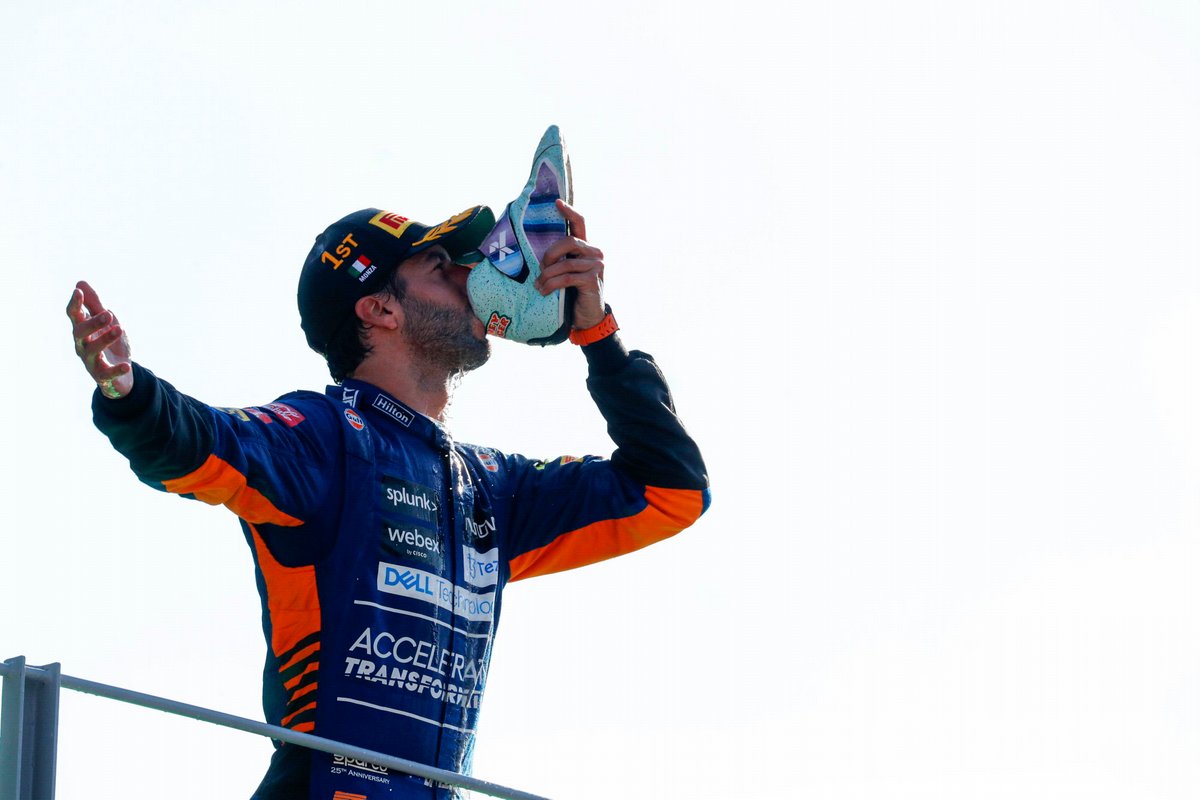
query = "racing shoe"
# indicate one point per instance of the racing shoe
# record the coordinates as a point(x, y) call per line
point(501, 287)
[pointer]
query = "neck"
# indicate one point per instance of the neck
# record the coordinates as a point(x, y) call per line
point(421, 387)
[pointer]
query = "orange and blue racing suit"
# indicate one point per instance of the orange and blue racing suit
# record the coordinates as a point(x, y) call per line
point(382, 546)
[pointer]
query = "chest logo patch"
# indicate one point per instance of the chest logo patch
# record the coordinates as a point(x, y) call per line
point(412, 543)
point(409, 498)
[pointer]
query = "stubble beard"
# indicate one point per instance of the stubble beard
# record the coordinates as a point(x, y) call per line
point(442, 338)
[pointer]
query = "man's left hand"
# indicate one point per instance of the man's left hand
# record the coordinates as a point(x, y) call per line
point(571, 261)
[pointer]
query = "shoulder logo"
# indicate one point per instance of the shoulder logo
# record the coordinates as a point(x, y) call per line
point(354, 419)
point(488, 459)
point(258, 415)
point(287, 415)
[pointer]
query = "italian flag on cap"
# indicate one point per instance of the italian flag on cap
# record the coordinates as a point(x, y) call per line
point(358, 266)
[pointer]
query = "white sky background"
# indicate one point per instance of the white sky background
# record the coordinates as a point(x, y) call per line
point(923, 277)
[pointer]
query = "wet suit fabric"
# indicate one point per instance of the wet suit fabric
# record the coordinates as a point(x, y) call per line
point(382, 546)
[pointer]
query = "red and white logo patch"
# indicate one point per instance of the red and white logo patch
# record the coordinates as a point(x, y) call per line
point(488, 459)
point(497, 325)
point(354, 419)
point(258, 415)
point(394, 224)
point(287, 415)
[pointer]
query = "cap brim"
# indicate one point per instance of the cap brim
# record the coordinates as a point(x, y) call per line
point(461, 234)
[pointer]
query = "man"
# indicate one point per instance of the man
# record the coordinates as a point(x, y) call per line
point(381, 545)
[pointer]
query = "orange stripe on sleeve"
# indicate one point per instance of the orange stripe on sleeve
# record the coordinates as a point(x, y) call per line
point(292, 602)
point(312, 687)
point(300, 656)
point(284, 722)
point(216, 482)
point(295, 680)
point(668, 511)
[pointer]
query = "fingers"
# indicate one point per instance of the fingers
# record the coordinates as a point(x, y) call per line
point(578, 272)
point(91, 300)
point(106, 373)
point(104, 353)
point(75, 306)
point(84, 302)
point(574, 218)
point(86, 328)
point(99, 340)
point(93, 349)
point(586, 276)
point(571, 261)
point(570, 247)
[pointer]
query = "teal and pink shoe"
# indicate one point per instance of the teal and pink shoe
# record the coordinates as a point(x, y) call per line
point(501, 287)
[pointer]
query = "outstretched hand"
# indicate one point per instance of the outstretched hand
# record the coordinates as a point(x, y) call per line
point(571, 261)
point(100, 342)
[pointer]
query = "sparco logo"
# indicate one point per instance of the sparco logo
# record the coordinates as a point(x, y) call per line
point(358, 763)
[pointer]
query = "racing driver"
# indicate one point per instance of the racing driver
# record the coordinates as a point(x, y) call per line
point(381, 544)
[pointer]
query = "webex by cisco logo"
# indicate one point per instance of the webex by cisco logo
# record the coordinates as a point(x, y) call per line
point(412, 542)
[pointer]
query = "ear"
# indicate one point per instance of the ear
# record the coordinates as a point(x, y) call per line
point(378, 312)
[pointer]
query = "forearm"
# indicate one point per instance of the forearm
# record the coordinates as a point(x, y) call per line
point(163, 432)
point(653, 446)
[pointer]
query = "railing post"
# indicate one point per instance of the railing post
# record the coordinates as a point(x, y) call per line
point(29, 731)
point(12, 711)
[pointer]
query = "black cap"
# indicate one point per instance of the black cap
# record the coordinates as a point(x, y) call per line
point(355, 256)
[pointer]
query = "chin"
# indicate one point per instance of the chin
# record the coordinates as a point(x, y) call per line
point(475, 357)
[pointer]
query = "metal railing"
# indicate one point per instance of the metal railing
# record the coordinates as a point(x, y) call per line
point(29, 733)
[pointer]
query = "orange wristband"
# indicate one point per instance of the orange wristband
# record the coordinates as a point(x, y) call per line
point(607, 327)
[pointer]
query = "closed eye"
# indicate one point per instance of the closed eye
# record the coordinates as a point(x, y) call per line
point(439, 258)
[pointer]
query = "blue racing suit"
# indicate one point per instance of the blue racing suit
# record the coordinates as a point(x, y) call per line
point(382, 546)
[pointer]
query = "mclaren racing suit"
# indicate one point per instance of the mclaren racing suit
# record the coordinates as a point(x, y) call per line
point(382, 547)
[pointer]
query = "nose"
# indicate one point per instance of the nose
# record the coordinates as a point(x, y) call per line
point(459, 275)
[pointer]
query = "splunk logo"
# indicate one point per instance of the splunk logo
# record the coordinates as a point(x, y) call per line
point(404, 497)
point(412, 498)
